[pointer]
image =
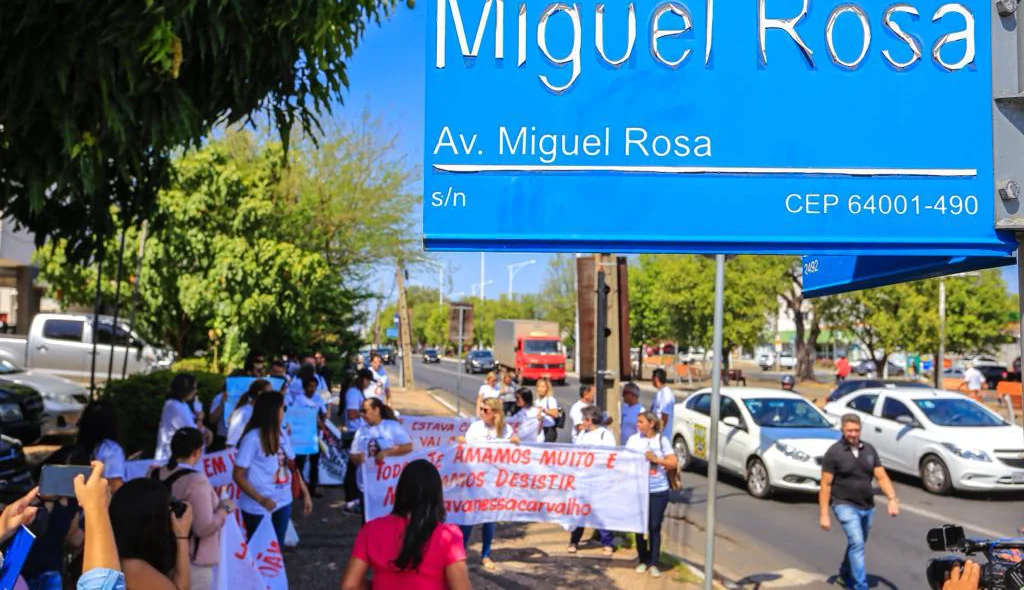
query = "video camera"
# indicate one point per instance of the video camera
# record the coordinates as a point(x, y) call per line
point(1003, 571)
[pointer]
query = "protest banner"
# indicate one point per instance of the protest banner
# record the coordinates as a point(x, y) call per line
point(303, 423)
point(267, 556)
point(237, 566)
point(574, 486)
point(14, 557)
point(431, 432)
point(333, 456)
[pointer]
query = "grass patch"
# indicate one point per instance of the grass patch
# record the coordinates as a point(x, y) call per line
point(678, 570)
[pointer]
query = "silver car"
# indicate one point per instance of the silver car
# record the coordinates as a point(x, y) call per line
point(63, 400)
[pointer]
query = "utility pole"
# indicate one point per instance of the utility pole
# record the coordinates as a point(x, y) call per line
point(513, 270)
point(940, 359)
point(404, 329)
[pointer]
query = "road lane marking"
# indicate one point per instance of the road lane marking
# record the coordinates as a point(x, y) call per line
point(942, 519)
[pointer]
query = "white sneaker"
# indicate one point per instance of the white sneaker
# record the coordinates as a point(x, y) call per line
point(641, 569)
point(654, 571)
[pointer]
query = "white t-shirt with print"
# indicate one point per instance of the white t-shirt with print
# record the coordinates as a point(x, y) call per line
point(529, 422)
point(317, 401)
point(175, 416)
point(381, 384)
point(236, 425)
point(665, 403)
point(576, 416)
point(354, 401)
point(629, 414)
point(479, 432)
point(487, 392)
point(370, 440)
point(269, 474)
point(598, 437)
point(112, 456)
point(661, 447)
point(545, 404)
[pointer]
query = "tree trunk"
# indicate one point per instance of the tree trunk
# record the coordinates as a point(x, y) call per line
point(806, 350)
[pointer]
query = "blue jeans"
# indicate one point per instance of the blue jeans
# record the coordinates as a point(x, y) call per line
point(279, 519)
point(46, 581)
point(649, 549)
point(605, 537)
point(488, 533)
point(856, 524)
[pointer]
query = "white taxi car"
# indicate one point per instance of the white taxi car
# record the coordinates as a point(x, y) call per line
point(948, 440)
point(775, 439)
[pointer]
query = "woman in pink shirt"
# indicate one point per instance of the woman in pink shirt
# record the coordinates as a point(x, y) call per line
point(412, 548)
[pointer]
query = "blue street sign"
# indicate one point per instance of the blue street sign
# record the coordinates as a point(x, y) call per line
point(828, 275)
point(392, 333)
point(712, 127)
point(398, 318)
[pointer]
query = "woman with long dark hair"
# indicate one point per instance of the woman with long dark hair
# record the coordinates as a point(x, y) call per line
point(657, 448)
point(527, 416)
point(97, 434)
point(263, 469)
point(177, 413)
point(152, 541)
point(379, 437)
point(243, 411)
point(208, 511)
point(412, 547)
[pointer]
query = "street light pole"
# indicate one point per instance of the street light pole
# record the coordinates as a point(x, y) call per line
point(940, 359)
point(513, 270)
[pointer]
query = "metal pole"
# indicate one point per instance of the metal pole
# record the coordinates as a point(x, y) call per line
point(95, 326)
point(458, 376)
point(600, 331)
point(716, 412)
point(940, 359)
point(117, 310)
point(135, 290)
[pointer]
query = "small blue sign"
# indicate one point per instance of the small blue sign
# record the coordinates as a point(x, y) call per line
point(392, 333)
point(710, 127)
point(305, 434)
point(236, 388)
point(829, 275)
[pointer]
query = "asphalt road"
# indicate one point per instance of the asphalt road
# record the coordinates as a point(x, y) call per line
point(778, 541)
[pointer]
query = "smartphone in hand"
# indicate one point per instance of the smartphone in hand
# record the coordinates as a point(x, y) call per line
point(58, 481)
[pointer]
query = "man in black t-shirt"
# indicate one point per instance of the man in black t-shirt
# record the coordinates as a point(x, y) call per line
point(847, 471)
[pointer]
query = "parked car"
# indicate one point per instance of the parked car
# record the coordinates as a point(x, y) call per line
point(948, 440)
point(387, 355)
point(868, 367)
point(21, 413)
point(62, 344)
point(767, 361)
point(430, 355)
point(479, 361)
point(993, 374)
point(15, 476)
point(774, 439)
point(63, 400)
point(851, 385)
point(982, 361)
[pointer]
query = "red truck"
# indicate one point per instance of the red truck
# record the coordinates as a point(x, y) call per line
point(531, 348)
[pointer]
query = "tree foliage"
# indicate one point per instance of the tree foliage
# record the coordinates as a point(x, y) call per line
point(558, 296)
point(95, 96)
point(250, 252)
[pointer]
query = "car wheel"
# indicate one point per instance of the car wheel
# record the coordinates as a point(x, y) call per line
point(935, 476)
point(682, 453)
point(758, 483)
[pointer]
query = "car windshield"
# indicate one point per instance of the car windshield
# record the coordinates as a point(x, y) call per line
point(957, 412)
point(430, 351)
point(540, 347)
point(482, 355)
point(785, 413)
point(9, 368)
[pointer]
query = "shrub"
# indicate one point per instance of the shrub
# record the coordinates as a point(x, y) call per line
point(192, 365)
point(139, 401)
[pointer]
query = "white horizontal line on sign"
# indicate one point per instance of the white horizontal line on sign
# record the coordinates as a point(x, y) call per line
point(741, 170)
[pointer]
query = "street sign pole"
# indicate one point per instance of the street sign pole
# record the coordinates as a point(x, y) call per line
point(716, 396)
point(602, 339)
point(1020, 310)
point(458, 377)
point(940, 359)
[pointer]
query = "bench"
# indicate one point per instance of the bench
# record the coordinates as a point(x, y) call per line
point(730, 375)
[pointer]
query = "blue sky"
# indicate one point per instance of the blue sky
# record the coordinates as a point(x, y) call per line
point(387, 76)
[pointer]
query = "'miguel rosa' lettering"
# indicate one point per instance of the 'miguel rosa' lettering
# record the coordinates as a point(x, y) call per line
point(673, 19)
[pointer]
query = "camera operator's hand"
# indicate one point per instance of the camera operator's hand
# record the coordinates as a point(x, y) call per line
point(825, 522)
point(182, 526)
point(966, 578)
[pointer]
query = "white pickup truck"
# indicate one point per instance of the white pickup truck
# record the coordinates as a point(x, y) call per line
point(62, 344)
point(767, 361)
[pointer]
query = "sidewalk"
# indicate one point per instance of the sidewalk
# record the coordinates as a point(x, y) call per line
point(531, 555)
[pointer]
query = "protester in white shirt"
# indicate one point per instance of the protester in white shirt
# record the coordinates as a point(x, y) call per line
point(658, 451)
point(243, 410)
point(380, 437)
point(491, 427)
point(548, 406)
point(488, 390)
point(295, 387)
point(311, 399)
point(527, 416)
point(629, 410)
point(664, 404)
point(382, 391)
point(508, 393)
point(354, 398)
point(587, 394)
point(262, 471)
point(177, 413)
point(975, 381)
point(97, 433)
point(593, 435)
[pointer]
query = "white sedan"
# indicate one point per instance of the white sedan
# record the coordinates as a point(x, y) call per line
point(775, 439)
point(948, 440)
